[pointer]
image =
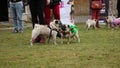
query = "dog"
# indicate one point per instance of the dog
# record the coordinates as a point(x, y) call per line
point(113, 21)
point(90, 23)
point(69, 31)
point(108, 20)
point(46, 30)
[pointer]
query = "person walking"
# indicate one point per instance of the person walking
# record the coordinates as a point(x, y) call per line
point(96, 12)
point(71, 2)
point(118, 8)
point(16, 7)
point(54, 6)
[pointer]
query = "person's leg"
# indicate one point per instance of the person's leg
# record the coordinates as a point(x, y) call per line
point(47, 15)
point(40, 9)
point(118, 13)
point(93, 14)
point(98, 17)
point(32, 6)
point(56, 12)
point(19, 11)
point(14, 16)
point(41, 6)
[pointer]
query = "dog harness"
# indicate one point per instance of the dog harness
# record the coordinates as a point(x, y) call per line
point(51, 32)
point(73, 29)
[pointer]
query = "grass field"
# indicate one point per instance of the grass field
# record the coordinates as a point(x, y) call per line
point(98, 48)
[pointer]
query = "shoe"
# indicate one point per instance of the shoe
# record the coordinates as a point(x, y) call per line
point(21, 31)
point(15, 31)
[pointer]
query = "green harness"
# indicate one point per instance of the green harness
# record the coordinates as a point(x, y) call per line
point(73, 29)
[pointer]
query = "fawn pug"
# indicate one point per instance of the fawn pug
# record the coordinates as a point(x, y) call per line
point(45, 30)
point(91, 22)
point(113, 21)
point(69, 31)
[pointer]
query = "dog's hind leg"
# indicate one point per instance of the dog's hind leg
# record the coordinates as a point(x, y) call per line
point(87, 27)
point(31, 42)
point(77, 36)
point(54, 38)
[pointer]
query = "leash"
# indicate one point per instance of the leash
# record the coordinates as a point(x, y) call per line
point(50, 34)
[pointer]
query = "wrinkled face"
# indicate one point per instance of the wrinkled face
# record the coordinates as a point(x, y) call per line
point(57, 24)
point(110, 19)
point(65, 28)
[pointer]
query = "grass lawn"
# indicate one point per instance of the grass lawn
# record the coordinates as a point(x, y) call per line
point(98, 48)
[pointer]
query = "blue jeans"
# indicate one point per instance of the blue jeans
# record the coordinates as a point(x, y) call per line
point(17, 13)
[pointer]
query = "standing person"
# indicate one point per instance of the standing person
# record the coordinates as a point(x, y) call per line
point(96, 12)
point(37, 11)
point(37, 14)
point(118, 7)
point(16, 7)
point(54, 6)
point(71, 2)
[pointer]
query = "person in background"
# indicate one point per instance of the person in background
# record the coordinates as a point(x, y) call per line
point(118, 8)
point(37, 11)
point(96, 13)
point(54, 6)
point(71, 2)
point(16, 7)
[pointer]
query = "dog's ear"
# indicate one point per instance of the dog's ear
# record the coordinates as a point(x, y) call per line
point(95, 20)
point(63, 27)
point(68, 26)
point(60, 24)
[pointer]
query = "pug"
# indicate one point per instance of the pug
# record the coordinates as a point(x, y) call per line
point(90, 23)
point(69, 31)
point(46, 30)
point(113, 21)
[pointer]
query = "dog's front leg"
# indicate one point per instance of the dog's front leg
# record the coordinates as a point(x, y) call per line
point(94, 26)
point(61, 38)
point(31, 42)
point(54, 40)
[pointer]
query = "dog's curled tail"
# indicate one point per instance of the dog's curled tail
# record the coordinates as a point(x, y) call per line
point(36, 25)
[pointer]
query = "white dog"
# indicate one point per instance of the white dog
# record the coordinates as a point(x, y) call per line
point(46, 31)
point(69, 31)
point(90, 23)
point(109, 19)
point(113, 21)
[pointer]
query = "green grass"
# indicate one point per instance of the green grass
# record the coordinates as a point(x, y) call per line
point(98, 48)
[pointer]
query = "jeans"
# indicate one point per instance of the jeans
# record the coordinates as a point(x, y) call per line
point(17, 13)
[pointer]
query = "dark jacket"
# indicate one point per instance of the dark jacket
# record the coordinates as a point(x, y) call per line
point(99, 0)
point(54, 2)
point(96, 0)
